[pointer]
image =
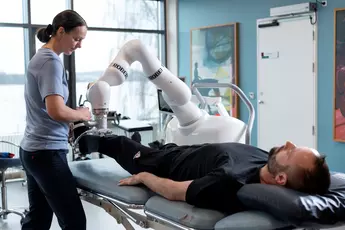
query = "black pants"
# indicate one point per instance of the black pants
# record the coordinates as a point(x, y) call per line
point(131, 155)
point(51, 189)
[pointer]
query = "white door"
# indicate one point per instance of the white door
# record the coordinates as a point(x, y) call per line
point(286, 83)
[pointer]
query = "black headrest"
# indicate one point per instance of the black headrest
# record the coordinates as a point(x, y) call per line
point(298, 208)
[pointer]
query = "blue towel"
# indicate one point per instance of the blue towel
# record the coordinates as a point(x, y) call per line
point(6, 155)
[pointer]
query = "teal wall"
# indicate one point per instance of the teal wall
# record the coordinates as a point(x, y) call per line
point(198, 13)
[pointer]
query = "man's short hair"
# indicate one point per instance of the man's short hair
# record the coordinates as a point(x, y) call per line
point(316, 180)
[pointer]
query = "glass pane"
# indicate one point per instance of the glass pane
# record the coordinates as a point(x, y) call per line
point(12, 69)
point(11, 11)
point(137, 91)
point(44, 11)
point(135, 14)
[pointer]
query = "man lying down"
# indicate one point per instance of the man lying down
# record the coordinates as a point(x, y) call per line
point(209, 175)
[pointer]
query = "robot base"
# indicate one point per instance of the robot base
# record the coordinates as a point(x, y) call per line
point(209, 129)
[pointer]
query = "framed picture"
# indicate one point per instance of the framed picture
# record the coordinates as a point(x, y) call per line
point(214, 59)
point(339, 76)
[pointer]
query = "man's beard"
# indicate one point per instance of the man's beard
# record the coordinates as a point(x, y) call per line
point(271, 152)
point(271, 162)
point(272, 165)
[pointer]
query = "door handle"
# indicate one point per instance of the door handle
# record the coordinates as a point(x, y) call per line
point(261, 102)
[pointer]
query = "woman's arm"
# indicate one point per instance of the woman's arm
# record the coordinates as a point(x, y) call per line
point(57, 110)
point(50, 80)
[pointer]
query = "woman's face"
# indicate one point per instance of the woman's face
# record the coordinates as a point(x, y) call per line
point(71, 41)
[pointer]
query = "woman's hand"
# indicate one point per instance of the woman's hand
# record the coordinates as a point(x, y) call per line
point(85, 114)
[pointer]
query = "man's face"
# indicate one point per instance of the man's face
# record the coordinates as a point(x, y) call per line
point(285, 162)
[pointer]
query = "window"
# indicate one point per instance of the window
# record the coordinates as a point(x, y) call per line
point(12, 70)
point(44, 11)
point(11, 11)
point(137, 91)
point(111, 23)
point(38, 44)
point(131, 14)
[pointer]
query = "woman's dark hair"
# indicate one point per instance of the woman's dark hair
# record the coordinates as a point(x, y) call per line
point(68, 19)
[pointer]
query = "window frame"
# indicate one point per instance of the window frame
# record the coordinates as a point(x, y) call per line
point(69, 61)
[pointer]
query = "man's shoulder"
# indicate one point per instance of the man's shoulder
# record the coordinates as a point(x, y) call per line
point(240, 150)
point(237, 145)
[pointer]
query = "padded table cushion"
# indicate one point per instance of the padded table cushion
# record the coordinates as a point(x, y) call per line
point(6, 163)
point(183, 213)
point(102, 176)
point(190, 216)
point(250, 220)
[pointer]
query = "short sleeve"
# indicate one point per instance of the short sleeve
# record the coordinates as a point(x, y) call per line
point(217, 190)
point(50, 79)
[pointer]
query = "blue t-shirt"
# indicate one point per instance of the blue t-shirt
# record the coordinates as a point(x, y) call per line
point(45, 76)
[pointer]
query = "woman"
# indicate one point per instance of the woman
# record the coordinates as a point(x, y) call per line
point(51, 186)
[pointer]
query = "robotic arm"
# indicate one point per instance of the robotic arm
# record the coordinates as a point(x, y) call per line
point(175, 92)
point(190, 125)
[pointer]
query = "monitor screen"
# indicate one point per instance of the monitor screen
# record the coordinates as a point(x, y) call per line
point(162, 105)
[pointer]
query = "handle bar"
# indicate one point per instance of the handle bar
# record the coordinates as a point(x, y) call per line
point(239, 92)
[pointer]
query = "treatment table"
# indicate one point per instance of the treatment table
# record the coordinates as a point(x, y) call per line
point(97, 181)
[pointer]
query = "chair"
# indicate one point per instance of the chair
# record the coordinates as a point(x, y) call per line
point(6, 163)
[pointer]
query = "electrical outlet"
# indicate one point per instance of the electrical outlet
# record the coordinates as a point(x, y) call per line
point(324, 3)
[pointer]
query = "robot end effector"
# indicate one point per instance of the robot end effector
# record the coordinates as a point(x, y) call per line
point(175, 92)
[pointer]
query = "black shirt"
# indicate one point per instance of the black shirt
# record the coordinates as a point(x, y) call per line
point(218, 171)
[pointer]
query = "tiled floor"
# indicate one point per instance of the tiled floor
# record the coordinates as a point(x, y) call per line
point(97, 218)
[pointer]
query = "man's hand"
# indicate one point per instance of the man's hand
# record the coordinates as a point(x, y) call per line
point(169, 189)
point(133, 180)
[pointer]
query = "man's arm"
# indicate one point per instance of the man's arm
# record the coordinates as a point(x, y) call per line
point(169, 189)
